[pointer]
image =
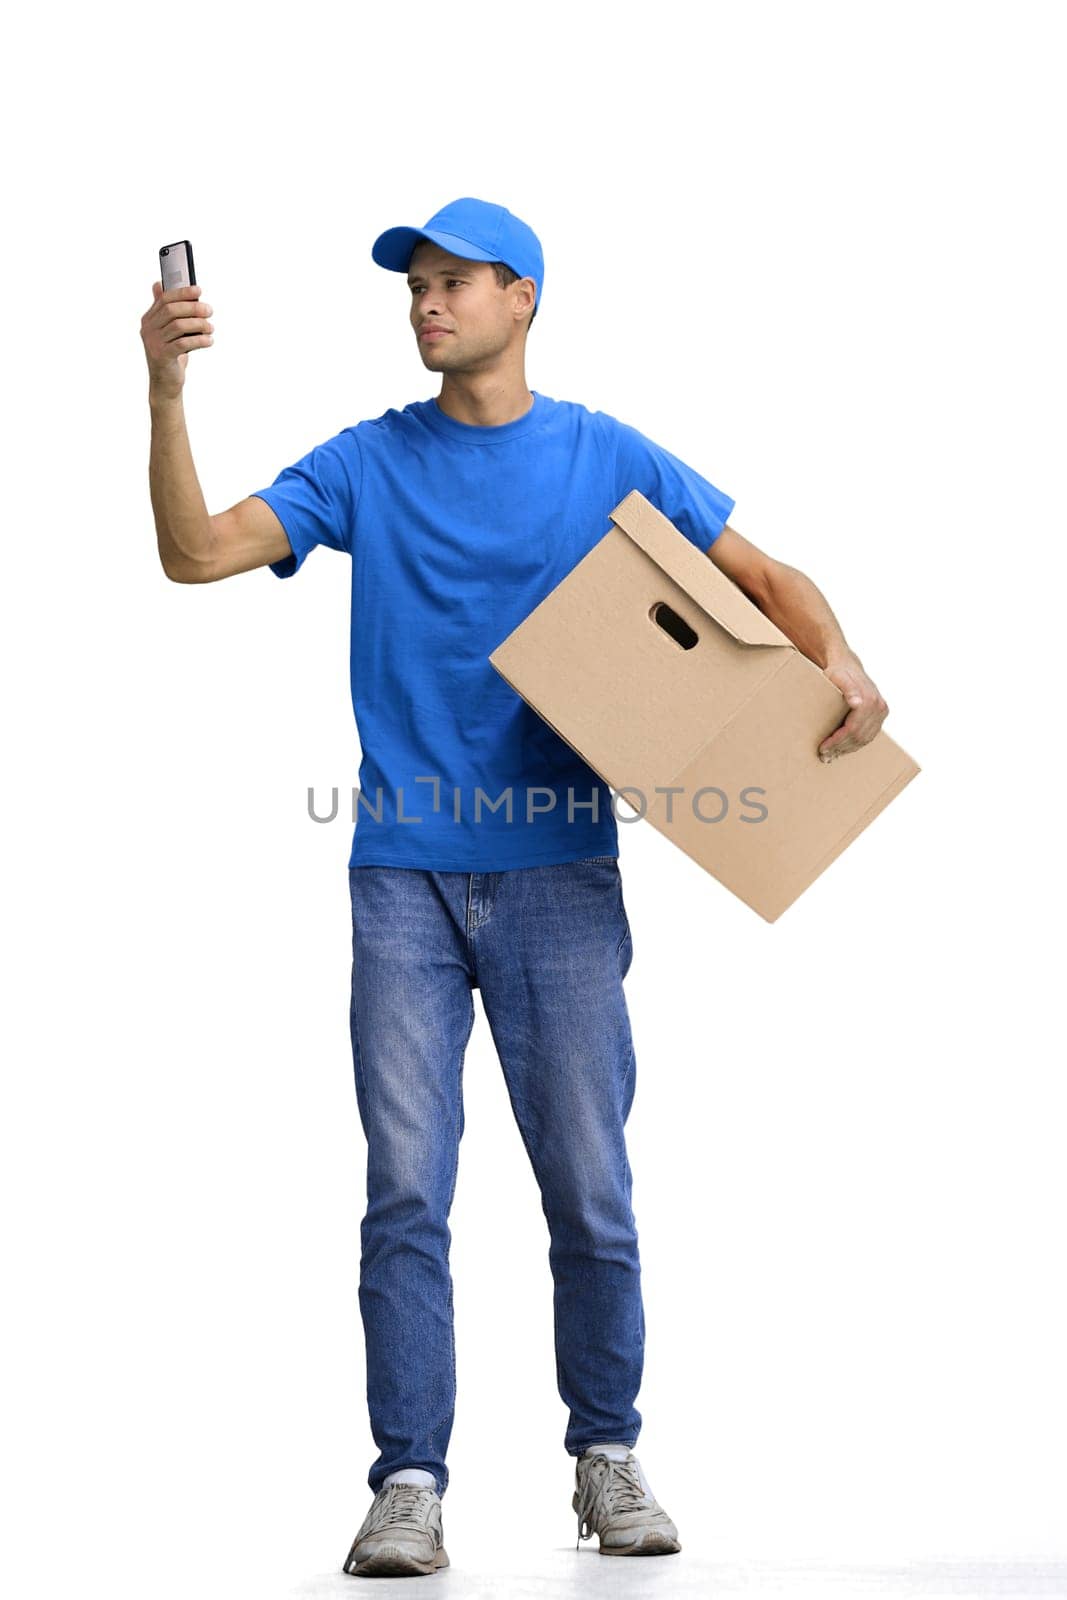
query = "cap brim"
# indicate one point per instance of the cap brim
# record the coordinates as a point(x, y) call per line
point(393, 248)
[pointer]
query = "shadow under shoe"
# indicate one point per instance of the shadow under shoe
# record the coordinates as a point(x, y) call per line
point(613, 1500)
point(401, 1534)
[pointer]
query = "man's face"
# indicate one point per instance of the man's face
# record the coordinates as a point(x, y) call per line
point(463, 299)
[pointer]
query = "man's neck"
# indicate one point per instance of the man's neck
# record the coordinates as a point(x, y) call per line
point(485, 404)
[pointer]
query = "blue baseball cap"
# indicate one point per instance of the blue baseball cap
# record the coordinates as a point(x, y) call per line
point(474, 230)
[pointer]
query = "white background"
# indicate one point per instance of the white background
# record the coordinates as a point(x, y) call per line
point(815, 252)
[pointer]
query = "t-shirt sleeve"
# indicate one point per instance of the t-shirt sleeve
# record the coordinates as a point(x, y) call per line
point(696, 507)
point(316, 499)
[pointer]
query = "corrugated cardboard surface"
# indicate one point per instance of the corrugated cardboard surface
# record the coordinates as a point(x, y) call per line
point(736, 711)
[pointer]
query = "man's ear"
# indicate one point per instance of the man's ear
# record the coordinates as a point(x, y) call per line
point(524, 304)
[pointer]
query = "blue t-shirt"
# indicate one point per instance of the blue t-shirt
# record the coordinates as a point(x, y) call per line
point(455, 533)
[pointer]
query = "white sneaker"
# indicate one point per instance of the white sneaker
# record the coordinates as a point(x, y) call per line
point(613, 1499)
point(401, 1534)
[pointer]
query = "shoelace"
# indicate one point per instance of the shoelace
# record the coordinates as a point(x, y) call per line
point(402, 1503)
point(611, 1486)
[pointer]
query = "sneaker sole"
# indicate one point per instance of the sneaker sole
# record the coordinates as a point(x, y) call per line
point(391, 1562)
point(654, 1544)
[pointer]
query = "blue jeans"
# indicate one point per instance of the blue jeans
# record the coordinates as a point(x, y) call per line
point(548, 947)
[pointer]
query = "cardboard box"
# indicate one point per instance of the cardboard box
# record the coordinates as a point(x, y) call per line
point(663, 675)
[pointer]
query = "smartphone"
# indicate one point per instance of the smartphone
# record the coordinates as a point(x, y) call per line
point(176, 264)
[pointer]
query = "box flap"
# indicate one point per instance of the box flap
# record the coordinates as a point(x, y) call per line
point(697, 574)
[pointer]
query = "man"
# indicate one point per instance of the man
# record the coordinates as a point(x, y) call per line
point(485, 852)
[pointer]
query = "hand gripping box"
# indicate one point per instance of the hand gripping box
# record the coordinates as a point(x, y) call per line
point(698, 711)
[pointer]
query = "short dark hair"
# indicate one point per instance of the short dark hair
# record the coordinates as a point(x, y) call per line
point(504, 276)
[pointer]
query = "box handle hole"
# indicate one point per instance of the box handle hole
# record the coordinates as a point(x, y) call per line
point(673, 625)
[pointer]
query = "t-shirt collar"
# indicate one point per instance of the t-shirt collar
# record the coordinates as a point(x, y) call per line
point(471, 433)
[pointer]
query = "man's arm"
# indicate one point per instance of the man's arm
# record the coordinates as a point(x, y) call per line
point(795, 605)
point(790, 599)
point(193, 546)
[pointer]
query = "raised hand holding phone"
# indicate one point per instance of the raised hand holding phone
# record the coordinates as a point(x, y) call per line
point(175, 323)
